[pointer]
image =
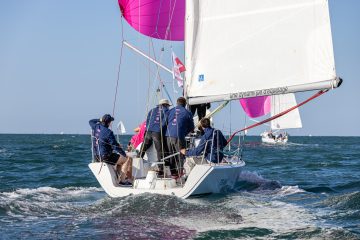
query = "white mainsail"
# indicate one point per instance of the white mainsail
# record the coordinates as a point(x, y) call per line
point(246, 48)
point(280, 103)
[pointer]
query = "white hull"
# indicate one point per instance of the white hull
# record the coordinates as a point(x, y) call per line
point(274, 141)
point(203, 179)
point(265, 138)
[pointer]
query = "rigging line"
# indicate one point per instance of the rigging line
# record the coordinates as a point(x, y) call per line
point(318, 94)
point(158, 69)
point(167, 29)
point(149, 83)
point(158, 73)
point(119, 67)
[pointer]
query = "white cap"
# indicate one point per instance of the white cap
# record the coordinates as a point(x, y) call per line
point(164, 101)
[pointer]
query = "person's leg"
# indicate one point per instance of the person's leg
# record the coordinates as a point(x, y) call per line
point(181, 144)
point(201, 110)
point(177, 161)
point(127, 168)
point(147, 143)
point(172, 149)
point(156, 138)
point(122, 166)
point(193, 109)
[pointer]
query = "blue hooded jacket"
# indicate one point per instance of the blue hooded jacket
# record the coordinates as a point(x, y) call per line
point(156, 116)
point(213, 151)
point(104, 141)
point(180, 122)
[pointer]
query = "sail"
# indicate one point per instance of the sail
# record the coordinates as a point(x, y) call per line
point(249, 48)
point(256, 106)
point(162, 19)
point(121, 127)
point(280, 103)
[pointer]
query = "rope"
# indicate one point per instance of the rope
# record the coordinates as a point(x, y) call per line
point(318, 94)
point(119, 67)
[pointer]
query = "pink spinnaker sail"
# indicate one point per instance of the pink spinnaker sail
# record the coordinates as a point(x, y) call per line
point(162, 19)
point(256, 106)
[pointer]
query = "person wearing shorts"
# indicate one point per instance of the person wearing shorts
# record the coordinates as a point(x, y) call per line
point(107, 149)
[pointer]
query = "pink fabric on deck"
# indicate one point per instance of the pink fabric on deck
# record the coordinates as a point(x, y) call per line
point(256, 106)
point(152, 17)
point(139, 137)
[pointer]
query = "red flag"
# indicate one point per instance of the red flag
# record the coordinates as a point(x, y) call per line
point(178, 68)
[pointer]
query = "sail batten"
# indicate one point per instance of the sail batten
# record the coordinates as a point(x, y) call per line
point(254, 48)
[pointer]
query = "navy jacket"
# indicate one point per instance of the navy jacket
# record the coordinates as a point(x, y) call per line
point(180, 122)
point(154, 117)
point(104, 140)
point(213, 150)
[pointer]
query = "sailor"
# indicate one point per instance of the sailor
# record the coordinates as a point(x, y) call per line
point(201, 109)
point(107, 149)
point(156, 128)
point(210, 147)
point(180, 123)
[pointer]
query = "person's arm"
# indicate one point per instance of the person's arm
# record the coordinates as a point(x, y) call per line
point(191, 125)
point(222, 139)
point(93, 122)
point(115, 145)
point(198, 150)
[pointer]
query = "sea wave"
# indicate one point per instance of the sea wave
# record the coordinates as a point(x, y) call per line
point(4, 153)
point(252, 181)
point(348, 201)
point(46, 201)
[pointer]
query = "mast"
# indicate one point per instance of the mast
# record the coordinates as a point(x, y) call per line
point(185, 59)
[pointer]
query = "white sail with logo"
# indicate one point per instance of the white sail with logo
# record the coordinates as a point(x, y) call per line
point(246, 48)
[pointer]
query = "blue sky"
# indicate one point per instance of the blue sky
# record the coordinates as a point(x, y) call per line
point(59, 63)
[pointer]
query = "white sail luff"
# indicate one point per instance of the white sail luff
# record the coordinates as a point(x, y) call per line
point(234, 48)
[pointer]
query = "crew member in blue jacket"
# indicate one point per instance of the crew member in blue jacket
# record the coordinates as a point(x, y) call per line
point(156, 128)
point(107, 149)
point(210, 146)
point(180, 123)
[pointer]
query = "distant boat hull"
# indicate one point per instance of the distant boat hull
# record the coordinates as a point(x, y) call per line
point(265, 138)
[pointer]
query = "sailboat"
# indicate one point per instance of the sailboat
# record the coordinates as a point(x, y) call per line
point(234, 49)
point(280, 103)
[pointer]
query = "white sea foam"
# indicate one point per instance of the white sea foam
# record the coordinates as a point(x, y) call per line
point(275, 215)
point(4, 153)
point(45, 201)
point(49, 192)
point(252, 177)
point(289, 190)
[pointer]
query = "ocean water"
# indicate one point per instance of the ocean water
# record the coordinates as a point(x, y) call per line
point(307, 189)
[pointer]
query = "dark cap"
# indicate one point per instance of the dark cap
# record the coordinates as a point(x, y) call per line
point(181, 101)
point(107, 118)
